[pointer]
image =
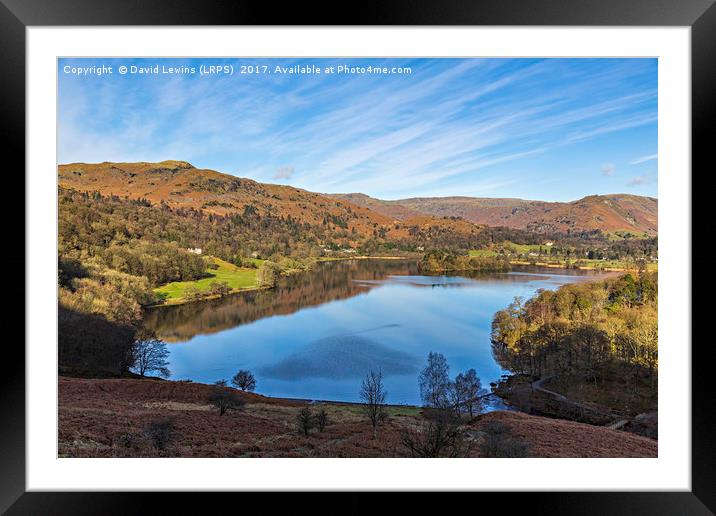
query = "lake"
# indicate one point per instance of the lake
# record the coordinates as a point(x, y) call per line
point(317, 333)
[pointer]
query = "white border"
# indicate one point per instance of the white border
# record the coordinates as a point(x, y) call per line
point(670, 471)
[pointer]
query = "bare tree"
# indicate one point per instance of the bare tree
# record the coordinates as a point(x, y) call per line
point(150, 354)
point(224, 398)
point(322, 420)
point(373, 395)
point(434, 381)
point(305, 420)
point(244, 380)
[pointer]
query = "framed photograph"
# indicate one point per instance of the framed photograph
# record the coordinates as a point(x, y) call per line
point(418, 250)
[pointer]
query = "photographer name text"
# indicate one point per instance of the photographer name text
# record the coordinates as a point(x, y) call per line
point(227, 70)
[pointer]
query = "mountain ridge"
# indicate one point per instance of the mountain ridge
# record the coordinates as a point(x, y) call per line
point(181, 185)
point(610, 213)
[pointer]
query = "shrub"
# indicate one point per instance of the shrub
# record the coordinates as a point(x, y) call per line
point(498, 442)
point(305, 421)
point(439, 436)
point(159, 433)
point(225, 399)
point(193, 293)
point(129, 440)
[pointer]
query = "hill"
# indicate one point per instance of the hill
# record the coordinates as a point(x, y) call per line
point(608, 213)
point(179, 185)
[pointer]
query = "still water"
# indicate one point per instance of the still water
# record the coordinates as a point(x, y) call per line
point(317, 334)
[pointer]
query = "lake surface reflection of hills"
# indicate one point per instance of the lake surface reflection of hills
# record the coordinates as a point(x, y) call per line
point(317, 333)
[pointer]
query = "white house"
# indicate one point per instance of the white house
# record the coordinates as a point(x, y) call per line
point(195, 250)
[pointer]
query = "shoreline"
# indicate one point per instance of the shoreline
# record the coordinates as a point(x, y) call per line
point(182, 301)
point(579, 267)
point(289, 272)
point(266, 427)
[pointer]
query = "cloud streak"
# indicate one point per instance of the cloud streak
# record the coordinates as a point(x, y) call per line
point(644, 159)
point(459, 126)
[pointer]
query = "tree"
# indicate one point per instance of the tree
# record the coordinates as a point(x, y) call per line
point(268, 274)
point(305, 420)
point(373, 395)
point(224, 398)
point(193, 293)
point(219, 288)
point(150, 354)
point(244, 380)
point(434, 381)
point(322, 420)
point(465, 393)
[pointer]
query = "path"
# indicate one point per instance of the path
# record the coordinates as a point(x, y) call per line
point(537, 386)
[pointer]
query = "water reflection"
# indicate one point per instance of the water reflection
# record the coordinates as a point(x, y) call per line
point(329, 281)
point(318, 333)
point(341, 356)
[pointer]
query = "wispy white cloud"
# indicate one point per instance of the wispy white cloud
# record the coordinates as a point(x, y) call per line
point(474, 125)
point(608, 169)
point(643, 159)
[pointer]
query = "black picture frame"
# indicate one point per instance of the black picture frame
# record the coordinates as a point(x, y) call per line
point(700, 15)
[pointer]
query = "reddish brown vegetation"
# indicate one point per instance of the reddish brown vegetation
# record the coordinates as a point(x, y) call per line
point(180, 185)
point(97, 415)
point(618, 212)
point(560, 438)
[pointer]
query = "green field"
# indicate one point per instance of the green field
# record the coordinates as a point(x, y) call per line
point(519, 249)
point(512, 249)
point(236, 277)
point(615, 264)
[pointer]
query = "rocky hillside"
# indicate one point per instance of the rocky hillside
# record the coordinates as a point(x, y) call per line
point(179, 184)
point(608, 213)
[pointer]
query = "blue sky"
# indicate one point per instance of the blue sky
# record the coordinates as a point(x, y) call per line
point(549, 129)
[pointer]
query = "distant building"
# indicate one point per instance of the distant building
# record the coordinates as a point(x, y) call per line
point(549, 244)
point(195, 250)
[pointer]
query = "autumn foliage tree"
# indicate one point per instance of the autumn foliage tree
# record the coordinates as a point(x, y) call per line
point(582, 329)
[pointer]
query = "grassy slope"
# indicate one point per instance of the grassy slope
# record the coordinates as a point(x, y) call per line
point(237, 278)
point(94, 413)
